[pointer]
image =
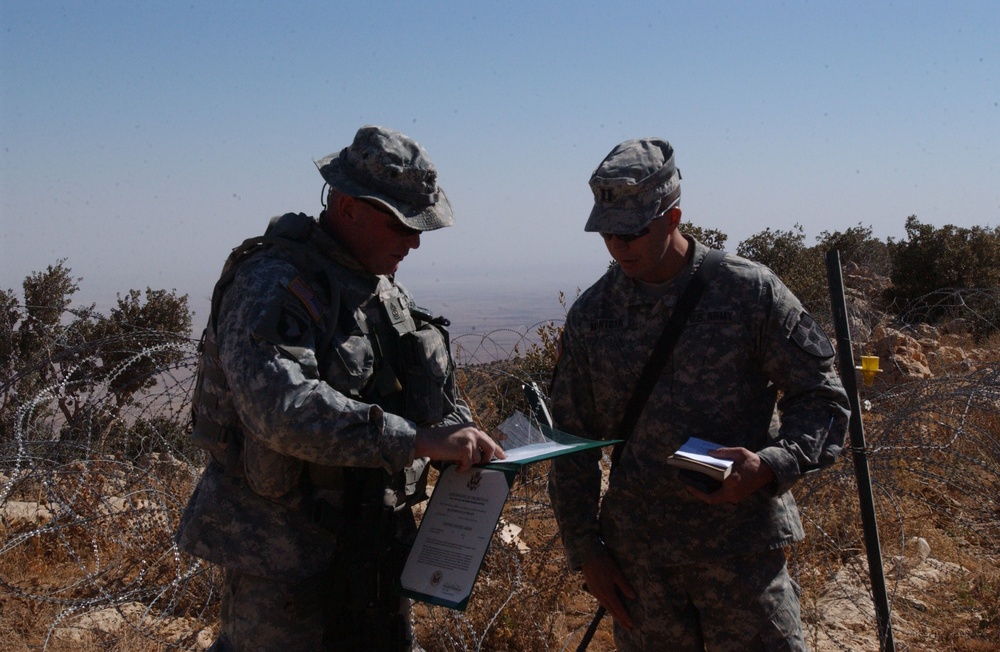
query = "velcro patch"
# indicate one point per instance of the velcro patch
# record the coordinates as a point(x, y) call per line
point(290, 327)
point(714, 317)
point(396, 309)
point(305, 294)
point(811, 338)
point(598, 325)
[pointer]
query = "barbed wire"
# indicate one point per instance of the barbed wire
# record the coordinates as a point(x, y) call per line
point(96, 466)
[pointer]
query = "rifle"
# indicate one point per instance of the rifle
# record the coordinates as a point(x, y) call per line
point(371, 556)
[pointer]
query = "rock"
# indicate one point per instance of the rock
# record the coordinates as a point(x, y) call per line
point(17, 513)
point(923, 548)
point(114, 620)
point(950, 359)
point(107, 621)
point(903, 358)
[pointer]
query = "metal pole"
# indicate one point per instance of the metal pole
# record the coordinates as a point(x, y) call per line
point(536, 403)
point(859, 452)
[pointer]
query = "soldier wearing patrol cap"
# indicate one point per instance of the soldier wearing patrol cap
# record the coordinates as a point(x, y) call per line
point(322, 392)
point(680, 569)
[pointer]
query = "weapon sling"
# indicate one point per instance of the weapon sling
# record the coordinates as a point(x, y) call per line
point(651, 373)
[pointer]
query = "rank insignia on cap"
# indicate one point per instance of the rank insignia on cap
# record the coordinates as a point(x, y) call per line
point(301, 290)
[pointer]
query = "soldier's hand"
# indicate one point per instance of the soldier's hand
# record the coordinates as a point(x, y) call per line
point(606, 582)
point(463, 444)
point(749, 474)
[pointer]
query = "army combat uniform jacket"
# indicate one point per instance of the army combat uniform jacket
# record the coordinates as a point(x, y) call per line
point(747, 342)
point(312, 367)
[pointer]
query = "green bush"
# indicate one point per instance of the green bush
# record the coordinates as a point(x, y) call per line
point(712, 238)
point(943, 273)
point(802, 268)
point(94, 366)
point(857, 245)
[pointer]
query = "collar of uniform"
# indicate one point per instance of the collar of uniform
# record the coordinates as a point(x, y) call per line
point(697, 257)
point(666, 295)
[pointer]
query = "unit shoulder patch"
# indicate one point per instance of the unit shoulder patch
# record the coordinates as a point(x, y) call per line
point(811, 338)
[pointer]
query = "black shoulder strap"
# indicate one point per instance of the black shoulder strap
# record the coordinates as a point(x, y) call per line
point(665, 346)
point(241, 253)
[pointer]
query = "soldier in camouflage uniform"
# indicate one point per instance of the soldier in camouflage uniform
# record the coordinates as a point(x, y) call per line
point(677, 568)
point(322, 392)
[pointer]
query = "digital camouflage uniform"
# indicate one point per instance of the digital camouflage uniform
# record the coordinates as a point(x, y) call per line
point(315, 375)
point(748, 341)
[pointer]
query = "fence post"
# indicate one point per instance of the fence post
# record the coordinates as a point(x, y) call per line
point(859, 451)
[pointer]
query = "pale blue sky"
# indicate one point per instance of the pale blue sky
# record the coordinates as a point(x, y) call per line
point(143, 140)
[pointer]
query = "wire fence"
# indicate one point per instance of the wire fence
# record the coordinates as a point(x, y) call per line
point(96, 467)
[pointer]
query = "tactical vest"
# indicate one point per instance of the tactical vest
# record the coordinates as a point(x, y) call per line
point(402, 363)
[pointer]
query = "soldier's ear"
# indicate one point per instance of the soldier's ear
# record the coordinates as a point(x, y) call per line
point(674, 215)
point(347, 206)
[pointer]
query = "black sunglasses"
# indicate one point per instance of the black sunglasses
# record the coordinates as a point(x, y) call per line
point(629, 237)
point(625, 237)
point(394, 222)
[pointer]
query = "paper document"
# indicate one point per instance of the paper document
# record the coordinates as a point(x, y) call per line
point(454, 533)
point(464, 510)
point(526, 441)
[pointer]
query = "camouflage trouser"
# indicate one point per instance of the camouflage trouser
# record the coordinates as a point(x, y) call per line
point(738, 604)
point(259, 615)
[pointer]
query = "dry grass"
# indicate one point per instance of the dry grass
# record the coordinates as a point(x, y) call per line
point(933, 450)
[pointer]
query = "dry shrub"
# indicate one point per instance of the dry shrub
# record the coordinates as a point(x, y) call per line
point(106, 547)
point(932, 450)
point(518, 601)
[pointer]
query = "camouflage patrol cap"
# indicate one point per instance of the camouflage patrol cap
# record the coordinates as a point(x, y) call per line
point(630, 183)
point(393, 170)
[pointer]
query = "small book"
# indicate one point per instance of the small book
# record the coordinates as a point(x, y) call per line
point(708, 472)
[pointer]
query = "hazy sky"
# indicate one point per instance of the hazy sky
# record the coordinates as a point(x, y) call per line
point(143, 140)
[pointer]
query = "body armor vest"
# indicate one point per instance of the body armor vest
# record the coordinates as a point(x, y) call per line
point(384, 351)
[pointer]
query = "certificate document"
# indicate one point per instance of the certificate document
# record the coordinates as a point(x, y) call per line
point(464, 510)
point(454, 533)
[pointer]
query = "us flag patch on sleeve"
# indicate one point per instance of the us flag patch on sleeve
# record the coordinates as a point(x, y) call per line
point(308, 298)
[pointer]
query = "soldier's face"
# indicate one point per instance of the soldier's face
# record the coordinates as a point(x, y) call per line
point(645, 258)
point(381, 241)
